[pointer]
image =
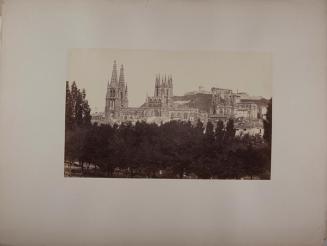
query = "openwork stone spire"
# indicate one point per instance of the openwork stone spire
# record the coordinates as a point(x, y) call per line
point(122, 77)
point(114, 78)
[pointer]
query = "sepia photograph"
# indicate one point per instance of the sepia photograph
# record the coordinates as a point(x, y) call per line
point(168, 114)
point(154, 123)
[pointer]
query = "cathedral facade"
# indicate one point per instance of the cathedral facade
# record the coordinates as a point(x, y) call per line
point(116, 97)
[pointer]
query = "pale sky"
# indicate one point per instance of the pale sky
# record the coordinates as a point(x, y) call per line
point(249, 72)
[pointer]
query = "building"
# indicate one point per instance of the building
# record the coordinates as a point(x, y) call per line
point(260, 102)
point(223, 104)
point(98, 117)
point(157, 108)
point(226, 105)
point(246, 111)
point(116, 97)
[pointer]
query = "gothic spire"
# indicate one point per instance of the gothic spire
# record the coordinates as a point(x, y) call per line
point(166, 82)
point(122, 76)
point(170, 81)
point(114, 78)
point(157, 84)
point(108, 84)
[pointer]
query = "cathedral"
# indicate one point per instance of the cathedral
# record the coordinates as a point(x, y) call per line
point(248, 112)
point(158, 108)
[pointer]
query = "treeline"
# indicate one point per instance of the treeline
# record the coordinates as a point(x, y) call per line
point(171, 150)
point(178, 149)
point(78, 112)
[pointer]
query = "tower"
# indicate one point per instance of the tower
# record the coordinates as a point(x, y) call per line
point(157, 87)
point(122, 87)
point(116, 97)
point(170, 85)
point(163, 89)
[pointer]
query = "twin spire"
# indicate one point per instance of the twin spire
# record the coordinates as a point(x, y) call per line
point(114, 76)
point(117, 95)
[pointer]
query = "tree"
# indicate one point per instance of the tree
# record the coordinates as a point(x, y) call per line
point(230, 129)
point(74, 95)
point(199, 126)
point(74, 144)
point(86, 111)
point(77, 117)
point(219, 132)
point(267, 124)
point(79, 109)
point(254, 162)
point(209, 133)
point(175, 149)
point(78, 112)
point(69, 120)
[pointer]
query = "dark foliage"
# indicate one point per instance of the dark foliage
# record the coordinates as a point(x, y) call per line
point(268, 123)
point(77, 120)
point(171, 150)
point(78, 112)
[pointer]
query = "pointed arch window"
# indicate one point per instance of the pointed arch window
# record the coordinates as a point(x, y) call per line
point(112, 92)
